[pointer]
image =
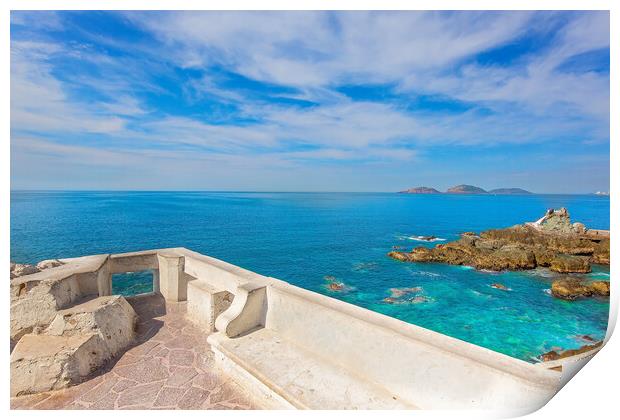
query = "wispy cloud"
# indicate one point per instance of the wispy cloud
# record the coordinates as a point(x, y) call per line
point(279, 93)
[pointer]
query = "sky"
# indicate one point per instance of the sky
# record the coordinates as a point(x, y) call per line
point(309, 101)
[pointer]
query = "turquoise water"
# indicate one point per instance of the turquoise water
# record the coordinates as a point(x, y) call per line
point(303, 237)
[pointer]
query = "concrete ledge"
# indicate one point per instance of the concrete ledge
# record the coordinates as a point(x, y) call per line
point(290, 376)
point(205, 303)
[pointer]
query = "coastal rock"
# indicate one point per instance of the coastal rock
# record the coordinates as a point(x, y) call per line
point(570, 264)
point(544, 257)
point(18, 270)
point(500, 286)
point(571, 288)
point(469, 234)
point(550, 242)
point(45, 264)
point(558, 222)
point(556, 355)
point(600, 288)
point(601, 252)
point(507, 258)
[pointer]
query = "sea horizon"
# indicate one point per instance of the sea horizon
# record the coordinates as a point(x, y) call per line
point(298, 192)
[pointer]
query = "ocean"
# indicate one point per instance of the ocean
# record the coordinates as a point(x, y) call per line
point(303, 238)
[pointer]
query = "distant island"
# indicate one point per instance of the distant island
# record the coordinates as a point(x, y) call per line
point(517, 191)
point(466, 189)
point(421, 190)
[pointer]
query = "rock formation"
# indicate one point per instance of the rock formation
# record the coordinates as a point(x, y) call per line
point(569, 288)
point(552, 242)
point(18, 270)
point(555, 355)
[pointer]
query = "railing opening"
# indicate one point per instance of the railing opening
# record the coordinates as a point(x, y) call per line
point(134, 283)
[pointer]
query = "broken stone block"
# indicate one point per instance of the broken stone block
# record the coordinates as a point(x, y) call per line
point(111, 317)
point(42, 363)
point(34, 303)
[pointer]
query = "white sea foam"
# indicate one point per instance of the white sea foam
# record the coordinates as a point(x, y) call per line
point(484, 270)
point(425, 273)
point(422, 239)
point(417, 238)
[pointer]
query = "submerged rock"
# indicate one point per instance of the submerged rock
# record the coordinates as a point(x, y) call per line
point(500, 286)
point(336, 287)
point(396, 292)
point(552, 241)
point(403, 295)
point(419, 299)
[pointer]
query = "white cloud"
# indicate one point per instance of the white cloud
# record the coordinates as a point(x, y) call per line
point(39, 101)
point(311, 54)
point(314, 49)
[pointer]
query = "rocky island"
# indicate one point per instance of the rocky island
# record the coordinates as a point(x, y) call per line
point(421, 190)
point(552, 241)
point(466, 189)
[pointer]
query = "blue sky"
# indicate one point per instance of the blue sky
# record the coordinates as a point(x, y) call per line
point(310, 101)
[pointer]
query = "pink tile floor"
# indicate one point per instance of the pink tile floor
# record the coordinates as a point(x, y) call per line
point(171, 367)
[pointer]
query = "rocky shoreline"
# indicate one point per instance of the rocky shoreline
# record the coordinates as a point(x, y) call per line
point(552, 241)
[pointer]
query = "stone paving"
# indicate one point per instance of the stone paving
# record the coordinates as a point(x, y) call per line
point(171, 367)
